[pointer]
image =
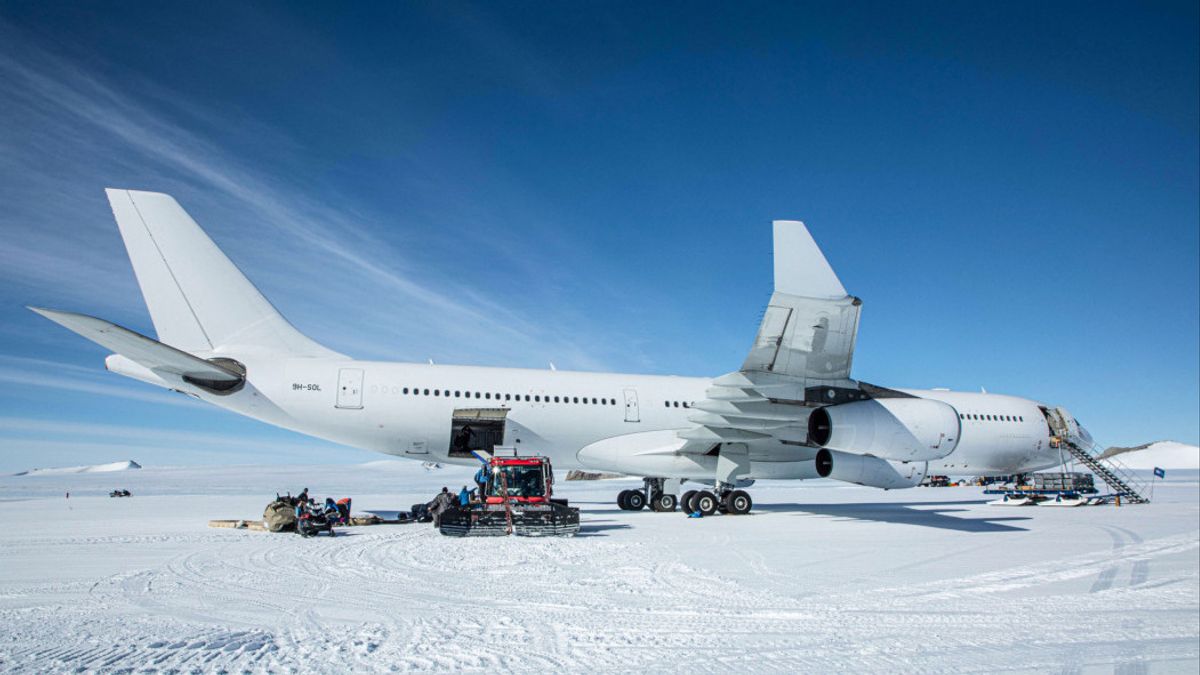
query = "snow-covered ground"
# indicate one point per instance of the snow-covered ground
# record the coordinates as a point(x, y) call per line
point(821, 577)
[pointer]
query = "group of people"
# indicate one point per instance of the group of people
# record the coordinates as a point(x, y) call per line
point(442, 502)
point(337, 512)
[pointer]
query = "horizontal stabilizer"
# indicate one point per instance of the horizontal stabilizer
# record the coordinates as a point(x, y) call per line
point(152, 354)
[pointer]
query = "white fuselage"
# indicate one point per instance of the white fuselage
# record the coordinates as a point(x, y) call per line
point(406, 410)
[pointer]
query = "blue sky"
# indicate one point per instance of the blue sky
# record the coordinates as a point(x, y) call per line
point(1013, 189)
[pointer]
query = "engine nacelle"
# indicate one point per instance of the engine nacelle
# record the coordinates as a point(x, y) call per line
point(905, 429)
point(869, 471)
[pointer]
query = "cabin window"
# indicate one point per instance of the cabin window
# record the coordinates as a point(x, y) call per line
point(488, 395)
point(476, 394)
point(406, 390)
point(556, 399)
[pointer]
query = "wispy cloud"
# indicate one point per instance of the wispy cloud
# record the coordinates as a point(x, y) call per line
point(354, 276)
point(20, 428)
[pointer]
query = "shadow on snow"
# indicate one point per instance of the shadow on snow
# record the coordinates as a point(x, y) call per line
point(905, 513)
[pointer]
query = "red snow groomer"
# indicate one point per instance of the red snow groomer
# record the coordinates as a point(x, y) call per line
point(517, 499)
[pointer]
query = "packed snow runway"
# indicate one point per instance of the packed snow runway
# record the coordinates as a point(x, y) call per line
point(820, 577)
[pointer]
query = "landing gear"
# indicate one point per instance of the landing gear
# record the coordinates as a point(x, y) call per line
point(685, 502)
point(705, 502)
point(663, 503)
point(631, 500)
point(723, 499)
point(737, 503)
point(659, 494)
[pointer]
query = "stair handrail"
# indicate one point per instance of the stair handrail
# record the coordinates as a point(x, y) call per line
point(1133, 486)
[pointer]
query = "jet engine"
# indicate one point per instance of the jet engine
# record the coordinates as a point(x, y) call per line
point(904, 429)
point(869, 471)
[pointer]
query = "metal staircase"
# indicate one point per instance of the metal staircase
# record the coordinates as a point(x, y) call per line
point(1112, 472)
point(1069, 436)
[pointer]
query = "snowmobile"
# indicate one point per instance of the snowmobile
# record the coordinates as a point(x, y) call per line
point(517, 499)
point(312, 522)
point(120, 493)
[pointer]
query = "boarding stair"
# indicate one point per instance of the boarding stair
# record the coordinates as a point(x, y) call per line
point(1079, 444)
point(1116, 475)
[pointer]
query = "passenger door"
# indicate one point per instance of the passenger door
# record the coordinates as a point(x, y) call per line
point(349, 393)
point(632, 413)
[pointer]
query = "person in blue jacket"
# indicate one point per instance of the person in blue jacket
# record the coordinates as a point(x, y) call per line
point(481, 478)
point(464, 497)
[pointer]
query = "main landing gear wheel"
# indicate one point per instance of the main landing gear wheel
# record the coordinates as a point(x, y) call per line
point(738, 503)
point(685, 502)
point(663, 503)
point(635, 500)
point(705, 502)
point(622, 498)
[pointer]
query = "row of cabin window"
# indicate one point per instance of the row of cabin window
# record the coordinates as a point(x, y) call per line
point(536, 398)
point(991, 418)
point(668, 404)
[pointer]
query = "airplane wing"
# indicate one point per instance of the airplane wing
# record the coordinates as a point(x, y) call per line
point(800, 357)
point(136, 347)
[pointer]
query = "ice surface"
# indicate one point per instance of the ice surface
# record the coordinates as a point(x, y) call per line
point(821, 577)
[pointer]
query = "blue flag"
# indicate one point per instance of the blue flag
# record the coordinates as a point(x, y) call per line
point(1159, 473)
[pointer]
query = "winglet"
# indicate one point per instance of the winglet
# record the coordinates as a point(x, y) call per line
point(800, 267)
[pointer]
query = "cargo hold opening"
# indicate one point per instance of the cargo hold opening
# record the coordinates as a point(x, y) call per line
point(476, 429)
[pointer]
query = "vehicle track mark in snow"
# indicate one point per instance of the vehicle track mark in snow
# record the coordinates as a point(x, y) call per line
point(1104, 580)
point(650, 597)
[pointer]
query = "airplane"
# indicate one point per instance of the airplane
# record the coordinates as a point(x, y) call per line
point(791, 411)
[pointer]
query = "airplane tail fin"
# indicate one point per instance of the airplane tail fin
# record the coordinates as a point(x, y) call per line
point(198, 299)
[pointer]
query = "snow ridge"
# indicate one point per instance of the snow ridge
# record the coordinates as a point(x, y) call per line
point(126, 465)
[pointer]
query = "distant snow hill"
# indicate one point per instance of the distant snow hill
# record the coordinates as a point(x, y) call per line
point(1162, 454)
point(98, 468)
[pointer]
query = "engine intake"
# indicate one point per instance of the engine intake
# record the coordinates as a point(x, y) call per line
point(904, 429)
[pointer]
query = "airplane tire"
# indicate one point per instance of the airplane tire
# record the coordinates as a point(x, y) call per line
point(663, 504)
point(623, 499)
point(738, 503)
point(636, 500)
point(705, 502)
point(685, 502)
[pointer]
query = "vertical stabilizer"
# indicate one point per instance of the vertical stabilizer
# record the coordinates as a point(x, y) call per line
point(198, 299)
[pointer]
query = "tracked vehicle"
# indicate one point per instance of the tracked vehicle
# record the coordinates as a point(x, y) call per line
point(517, 499)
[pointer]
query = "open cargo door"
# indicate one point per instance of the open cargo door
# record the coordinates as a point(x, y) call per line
point(476, 429)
